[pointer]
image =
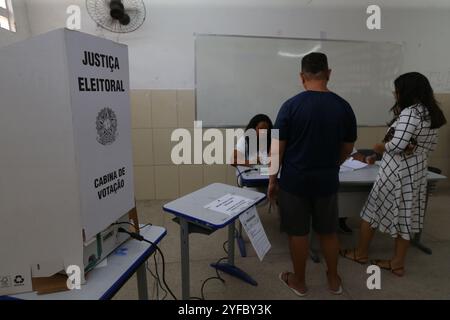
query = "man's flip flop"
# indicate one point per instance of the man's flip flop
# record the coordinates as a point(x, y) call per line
point(339, 291)
point(298, 293)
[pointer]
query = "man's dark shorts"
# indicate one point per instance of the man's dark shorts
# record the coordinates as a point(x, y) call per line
point(297, 211)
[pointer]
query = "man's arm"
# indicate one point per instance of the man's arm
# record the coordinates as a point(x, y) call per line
point(276, 156)
point(346, 151)
point(350, 135)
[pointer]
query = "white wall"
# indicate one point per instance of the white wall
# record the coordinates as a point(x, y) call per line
point(162, 51)
point(23, 29)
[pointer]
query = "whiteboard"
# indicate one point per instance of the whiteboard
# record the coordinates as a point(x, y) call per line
point(238, 77)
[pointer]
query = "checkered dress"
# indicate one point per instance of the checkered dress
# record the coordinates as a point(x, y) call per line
point(396, 204)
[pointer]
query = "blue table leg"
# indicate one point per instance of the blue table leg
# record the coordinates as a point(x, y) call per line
point(241, 242)
point(229, 266)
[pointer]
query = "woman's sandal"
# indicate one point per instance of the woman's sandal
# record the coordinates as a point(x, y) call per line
point(351, 255)
point(286, 283)
point(399, 271)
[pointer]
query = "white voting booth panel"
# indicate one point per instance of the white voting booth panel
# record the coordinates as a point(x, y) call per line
point(65, 139)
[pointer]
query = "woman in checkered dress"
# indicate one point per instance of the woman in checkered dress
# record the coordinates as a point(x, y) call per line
point(396, 204)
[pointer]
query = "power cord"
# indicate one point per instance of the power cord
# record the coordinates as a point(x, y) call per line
point(158, 277)
point(156, 287)
point(158, 284)
point(217, 277)
point(138, 237)
point(224, 247)
point(240, 173)
point(131, 224)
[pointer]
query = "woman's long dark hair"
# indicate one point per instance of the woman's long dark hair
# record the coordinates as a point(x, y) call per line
point(257, 120)
point(414, 88)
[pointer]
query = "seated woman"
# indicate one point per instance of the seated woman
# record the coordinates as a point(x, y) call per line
point(395, 204)
point(243, 154)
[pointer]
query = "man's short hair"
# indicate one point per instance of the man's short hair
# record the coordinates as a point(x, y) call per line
point(315, 63)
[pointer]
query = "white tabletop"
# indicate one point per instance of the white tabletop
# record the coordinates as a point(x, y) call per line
point(104, 282)
point(192, 206)
point(368, 175)
point(363, 176)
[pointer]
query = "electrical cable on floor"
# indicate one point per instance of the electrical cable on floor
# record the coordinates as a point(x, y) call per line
point(155, 290)
point(217, 277)
point(159, 279)
point(141, 238)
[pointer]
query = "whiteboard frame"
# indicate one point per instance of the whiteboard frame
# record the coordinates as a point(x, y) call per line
point(197, 35)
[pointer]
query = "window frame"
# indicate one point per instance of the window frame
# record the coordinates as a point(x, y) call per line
point(8, 13)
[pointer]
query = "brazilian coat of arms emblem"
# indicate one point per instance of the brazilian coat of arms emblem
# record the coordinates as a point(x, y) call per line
point(106, 125)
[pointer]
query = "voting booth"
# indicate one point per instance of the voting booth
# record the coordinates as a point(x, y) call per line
point(66, 154)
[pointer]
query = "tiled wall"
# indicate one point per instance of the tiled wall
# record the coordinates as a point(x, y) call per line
point(156, 113)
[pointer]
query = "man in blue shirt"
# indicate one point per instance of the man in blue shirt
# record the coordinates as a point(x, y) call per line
point(317, 131)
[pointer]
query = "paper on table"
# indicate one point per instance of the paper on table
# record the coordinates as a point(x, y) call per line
point(102, 264)
point(230, 204)
point(352, 164)
point(264, 171)
point(255, 231)
point(345, 169)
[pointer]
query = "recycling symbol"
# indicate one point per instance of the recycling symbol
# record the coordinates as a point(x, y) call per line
point(19, 279)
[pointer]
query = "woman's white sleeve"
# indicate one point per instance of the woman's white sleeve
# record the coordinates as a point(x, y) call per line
point(404, 131)
point(240, 146)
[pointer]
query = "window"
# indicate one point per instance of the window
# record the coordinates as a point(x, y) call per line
point(7, 16)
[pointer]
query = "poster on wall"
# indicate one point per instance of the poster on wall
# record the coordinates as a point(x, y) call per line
point(99, 88)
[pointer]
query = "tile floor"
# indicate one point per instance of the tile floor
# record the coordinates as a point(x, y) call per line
point(427, 277)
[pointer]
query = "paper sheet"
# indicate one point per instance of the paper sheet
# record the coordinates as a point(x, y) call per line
point(345, 169)
point(102, 264)
point(255, 231)
point(352, 164)
point(230, 204)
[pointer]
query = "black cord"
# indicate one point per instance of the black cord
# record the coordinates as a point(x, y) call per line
point(158, 277)
point(155, 278)
point(240, 173)
point(141, 238)
point(204, 283)
point(217, 277)
point(236, 235)
point(132, 224)
point(149, 270)
point(224, 248)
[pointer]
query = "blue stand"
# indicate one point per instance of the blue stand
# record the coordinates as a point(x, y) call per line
point(241, 244)
point(235, 272)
